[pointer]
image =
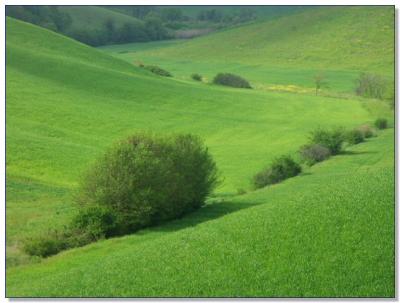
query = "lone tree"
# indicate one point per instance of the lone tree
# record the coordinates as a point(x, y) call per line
point(319, 81)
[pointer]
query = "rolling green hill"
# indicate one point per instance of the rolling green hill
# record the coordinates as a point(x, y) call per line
point(340, 42)
point(89, 17)
point(66, 102)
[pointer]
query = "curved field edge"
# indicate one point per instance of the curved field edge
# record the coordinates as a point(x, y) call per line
point(326, 233)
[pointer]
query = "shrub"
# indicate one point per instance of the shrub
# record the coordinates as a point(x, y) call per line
point(95, 222)
point(197, 77)
point(231, 80)
point(331, 139)
point(366, 131)
point(381, 123)
point(147, 179)
point(354, 136)
point(313, 153)
point(158, 70)
point(371, 86)
point(45, 245)
point(282, 168)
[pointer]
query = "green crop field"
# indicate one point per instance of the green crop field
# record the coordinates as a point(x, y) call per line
point(338, 42)
point(325, 233)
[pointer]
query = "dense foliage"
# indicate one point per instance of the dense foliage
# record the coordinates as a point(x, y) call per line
point(313, 153)
point(149, 29)
point(381, 123)
point(366, 131)
point(147, 179)
point(46, 16)
point(158, 70)
point(331, 139)
point(354, 136)
point(231, 80)
point(196, 77)
point(282, 168)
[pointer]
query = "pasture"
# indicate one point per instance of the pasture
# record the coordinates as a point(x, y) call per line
point(325, 233)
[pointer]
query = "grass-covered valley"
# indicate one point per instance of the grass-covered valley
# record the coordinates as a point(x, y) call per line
point(328, 232)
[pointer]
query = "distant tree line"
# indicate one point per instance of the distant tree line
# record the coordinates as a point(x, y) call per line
point(110, 33)
point(175, 19)
point(150, 29)
point(46, 16)
point(153, 23)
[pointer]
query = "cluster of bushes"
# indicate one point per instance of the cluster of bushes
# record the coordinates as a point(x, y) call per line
point(231, 80)
point(157, 70)
point(282, 168)
point(322, 144)
point(313, 152)
point(139, 182)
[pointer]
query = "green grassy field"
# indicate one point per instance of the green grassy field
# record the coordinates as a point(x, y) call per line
point(340, 42)
point(328, 232)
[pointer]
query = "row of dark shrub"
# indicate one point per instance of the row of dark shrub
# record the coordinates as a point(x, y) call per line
point(323, 143)
point(226, 79)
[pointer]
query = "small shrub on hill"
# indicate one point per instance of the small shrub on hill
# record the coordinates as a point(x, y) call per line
point(381, 123)
point(147, 179)
point(366, 131)
point(158, 70)
point(231, 80)
point(313, 153)
point(282, 168)
point(354, 136)
point(197, 77)
point(331, 139)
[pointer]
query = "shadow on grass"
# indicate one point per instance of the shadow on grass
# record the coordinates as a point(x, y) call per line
point(208, 212)
point(352, 153)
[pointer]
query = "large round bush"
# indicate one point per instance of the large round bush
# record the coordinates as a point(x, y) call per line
point(147, 179)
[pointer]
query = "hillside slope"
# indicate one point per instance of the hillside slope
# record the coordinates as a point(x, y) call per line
point(355, 38)
point(89, 17)
point(340, 42)
point(66, 102)
point(326, 234)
